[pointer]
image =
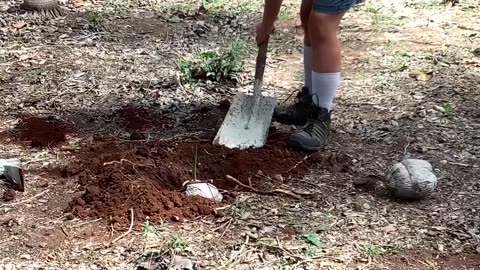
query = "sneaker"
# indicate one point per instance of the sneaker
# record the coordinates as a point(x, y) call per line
point(315, 135)
point(297, 113)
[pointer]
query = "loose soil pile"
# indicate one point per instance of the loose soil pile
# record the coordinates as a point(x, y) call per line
point(116, 177)
point(39, 131)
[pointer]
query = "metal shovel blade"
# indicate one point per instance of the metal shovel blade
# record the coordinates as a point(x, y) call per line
point(247, 122)
point(248, 119)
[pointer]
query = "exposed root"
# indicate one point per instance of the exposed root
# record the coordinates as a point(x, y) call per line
point(270, 192)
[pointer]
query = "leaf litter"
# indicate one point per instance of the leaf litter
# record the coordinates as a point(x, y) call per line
point(61, 67)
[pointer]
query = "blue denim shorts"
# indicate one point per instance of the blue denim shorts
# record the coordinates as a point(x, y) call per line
point(334, 6)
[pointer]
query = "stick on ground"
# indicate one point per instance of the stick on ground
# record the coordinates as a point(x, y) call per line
point(27, 200)
point(269, 192)
point(129, 229)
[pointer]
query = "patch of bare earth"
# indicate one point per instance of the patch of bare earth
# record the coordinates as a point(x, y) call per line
point(106, 133)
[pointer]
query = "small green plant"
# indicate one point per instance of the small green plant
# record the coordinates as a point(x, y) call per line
point(177, 243)
point(147, 227)
point(401, 61)
point(231, 6)
point(447, 107)
point(218, 64)
point(374, 250)
point(312, 239)
point(371, 8)
point(95, 20)
point(284, 262)
point(385, 21)
point(235, 213)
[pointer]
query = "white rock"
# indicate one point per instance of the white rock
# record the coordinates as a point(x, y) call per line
point(411, 179)
point(205, 190)
point(93, 267)
point(9, 266)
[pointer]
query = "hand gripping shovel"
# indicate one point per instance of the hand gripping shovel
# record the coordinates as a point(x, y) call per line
point(248, 119)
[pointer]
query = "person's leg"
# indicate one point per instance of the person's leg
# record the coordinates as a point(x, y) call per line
point(298, 112)
point(326, 56)
point(305, 10)
point(323, 25)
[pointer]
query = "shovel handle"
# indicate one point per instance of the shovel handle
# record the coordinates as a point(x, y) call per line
point(260, 67)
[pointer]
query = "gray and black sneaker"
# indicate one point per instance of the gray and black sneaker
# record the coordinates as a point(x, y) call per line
point(315, 135)
point(297, 113)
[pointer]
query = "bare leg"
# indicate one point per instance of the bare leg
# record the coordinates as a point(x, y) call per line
point(326, 48)
point(326, 57)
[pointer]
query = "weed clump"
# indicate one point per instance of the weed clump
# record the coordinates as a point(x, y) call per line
point(216, 64)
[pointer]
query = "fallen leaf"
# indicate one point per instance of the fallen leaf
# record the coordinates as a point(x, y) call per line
point(422, 76)
point(312, 239)
point(19, 24)
point(174, 19)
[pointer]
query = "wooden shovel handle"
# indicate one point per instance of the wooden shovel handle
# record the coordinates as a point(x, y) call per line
point(260, 67)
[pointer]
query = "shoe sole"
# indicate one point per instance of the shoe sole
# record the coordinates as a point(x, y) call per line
point(300, 146)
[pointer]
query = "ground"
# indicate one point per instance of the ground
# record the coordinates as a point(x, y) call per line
point(109, 132)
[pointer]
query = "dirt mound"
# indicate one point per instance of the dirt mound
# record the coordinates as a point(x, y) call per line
point(148, 178)
point(135, 119)
point(41, 132)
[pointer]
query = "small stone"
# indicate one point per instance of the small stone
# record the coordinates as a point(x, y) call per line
point(366, 206)
point(25, 257)
point(389, 228)
point(93, 267)
point(9, 266)
point(440, 247)
point(278, 177)
point(439, 109)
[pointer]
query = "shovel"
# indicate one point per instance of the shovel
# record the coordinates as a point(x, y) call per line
point(11, 170)
point(248, 120)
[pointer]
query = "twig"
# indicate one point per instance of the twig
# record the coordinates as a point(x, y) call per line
point(24, 201)
point(405, 149)
point(304, 260)
point(269, 192)
point(119, 162)
point(298, 163)
point(239, 254)
point(84, 223)
point(226, 228)
point(231, 178)
point(129, 229)
point(64, 231)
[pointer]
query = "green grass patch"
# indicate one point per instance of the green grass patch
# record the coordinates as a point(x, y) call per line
point(375, 250)
point(95, 20)
point(216, 64)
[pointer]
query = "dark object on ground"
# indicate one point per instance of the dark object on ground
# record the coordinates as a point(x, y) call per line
point(8, 195)
point(42, 7)
point(10, 169)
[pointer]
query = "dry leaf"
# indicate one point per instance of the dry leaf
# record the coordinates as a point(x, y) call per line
point(422, 76)
point(19, 24)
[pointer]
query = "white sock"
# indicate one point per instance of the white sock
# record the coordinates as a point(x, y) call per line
point(325, 87)
point(307, 67)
